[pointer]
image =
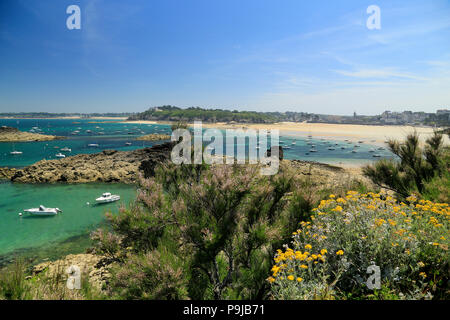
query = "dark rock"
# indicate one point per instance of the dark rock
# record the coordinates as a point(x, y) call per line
point(280, 152)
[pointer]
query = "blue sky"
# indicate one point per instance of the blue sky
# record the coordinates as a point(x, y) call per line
point(278, 55)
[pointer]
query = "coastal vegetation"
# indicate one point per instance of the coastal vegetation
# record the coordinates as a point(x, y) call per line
point(309, 232)
point(417, 169)
point(204, 232)
point(329, 256)
point(171, 113)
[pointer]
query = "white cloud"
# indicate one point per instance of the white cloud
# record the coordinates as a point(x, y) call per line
point(379, 73)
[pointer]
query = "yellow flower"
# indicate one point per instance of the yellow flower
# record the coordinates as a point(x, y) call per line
point(290, 277)
point(435, 244)
point(303, 266)
point(332, 196)
point(340, 252)
point(392, 222)
point(423, 275)
point(421, 264)
point(299, 279)
point(323, 251)
point(275, 269)
point(271, 279)
point(308, 246)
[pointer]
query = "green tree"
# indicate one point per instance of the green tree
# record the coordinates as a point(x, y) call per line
point(415, 167)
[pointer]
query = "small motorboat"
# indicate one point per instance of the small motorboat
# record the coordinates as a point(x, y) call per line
point(128, 143)
point(43, 211)
point(313, 150)
point(107, 197)
point(331, 148)
point(60, 155)
point(66, 149)
point(15, 152)
point(376, 156)
point(94, 145)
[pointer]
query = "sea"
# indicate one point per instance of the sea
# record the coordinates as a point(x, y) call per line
point(41, 238)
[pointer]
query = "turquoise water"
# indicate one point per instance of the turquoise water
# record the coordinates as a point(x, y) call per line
point(107, 134)
point(76, 219)
point(68, 232)
point(115, 135)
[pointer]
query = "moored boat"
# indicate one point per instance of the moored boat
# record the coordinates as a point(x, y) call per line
point(43, 211)
point(107, 197)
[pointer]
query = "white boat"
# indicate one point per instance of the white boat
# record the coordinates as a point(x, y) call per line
point(15, 152)
point(60, 155)
point(376, 155)
point(331, 148)
point(43, 211)
point(93, 145)
point(66, 149)
point(107, 197)
point(128, 143)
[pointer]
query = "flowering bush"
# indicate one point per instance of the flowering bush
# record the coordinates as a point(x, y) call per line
point(330, 255)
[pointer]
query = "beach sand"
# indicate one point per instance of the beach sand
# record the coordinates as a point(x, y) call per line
point(367, 133)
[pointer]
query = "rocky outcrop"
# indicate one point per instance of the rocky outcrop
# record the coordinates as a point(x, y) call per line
point(92, 266)
point(7, 173)
point(106, 166)
point(154, 137)
point(8, 134)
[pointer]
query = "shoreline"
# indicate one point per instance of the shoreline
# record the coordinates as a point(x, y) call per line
point(374, 134)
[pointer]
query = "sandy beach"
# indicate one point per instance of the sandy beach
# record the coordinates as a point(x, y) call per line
point(367, 133)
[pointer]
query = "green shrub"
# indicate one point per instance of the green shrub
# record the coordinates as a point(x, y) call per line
point(416, 165)
point(329, 256)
